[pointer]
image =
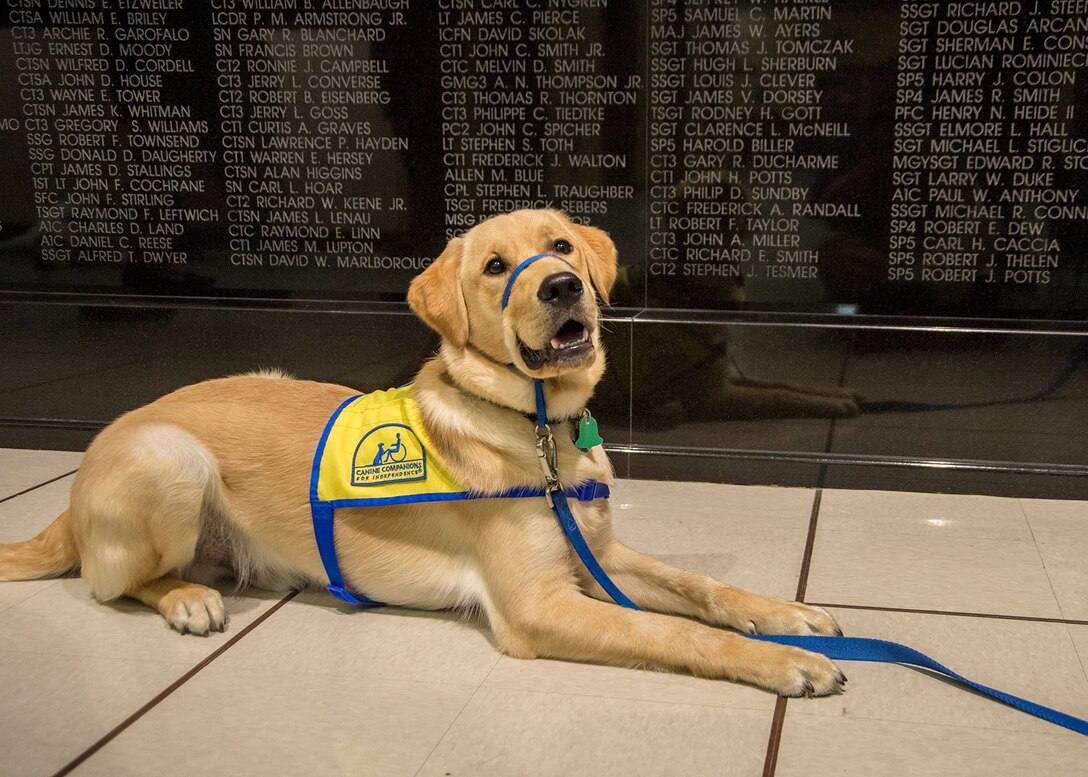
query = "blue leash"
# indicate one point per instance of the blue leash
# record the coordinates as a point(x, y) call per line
point(863, 649)
point(838, 648)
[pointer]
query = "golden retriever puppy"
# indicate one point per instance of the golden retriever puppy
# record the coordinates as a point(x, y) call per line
point(221, 472)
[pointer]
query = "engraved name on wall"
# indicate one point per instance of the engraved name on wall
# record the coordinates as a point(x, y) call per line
point(909, 156)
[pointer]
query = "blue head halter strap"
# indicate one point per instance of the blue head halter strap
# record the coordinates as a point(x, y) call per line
point(520, 268)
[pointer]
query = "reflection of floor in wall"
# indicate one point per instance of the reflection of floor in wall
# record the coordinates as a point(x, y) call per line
point(995, 588)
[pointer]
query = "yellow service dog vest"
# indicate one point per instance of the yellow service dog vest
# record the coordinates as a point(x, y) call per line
point(375, 451)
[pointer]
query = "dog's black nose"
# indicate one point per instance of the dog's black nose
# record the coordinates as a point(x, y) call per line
point(563, 288)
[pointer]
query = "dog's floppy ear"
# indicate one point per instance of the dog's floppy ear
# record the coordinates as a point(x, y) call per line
point(435, 295)
point(602, 261)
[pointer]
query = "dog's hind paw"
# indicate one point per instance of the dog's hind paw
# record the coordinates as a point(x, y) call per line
point(194, 610)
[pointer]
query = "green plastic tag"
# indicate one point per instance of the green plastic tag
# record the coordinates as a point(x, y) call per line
point(588, 436)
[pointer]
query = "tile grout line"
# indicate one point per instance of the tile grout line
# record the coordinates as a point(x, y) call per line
point(1082, 658)
point(770, 761)
point(162, 695)
point(955, 613)
point(40, 485)
point(457, 717)
point(778, 719)
point(810, 542)
point(1039, 552)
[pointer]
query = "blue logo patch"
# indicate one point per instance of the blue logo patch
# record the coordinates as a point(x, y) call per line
point(390, 453)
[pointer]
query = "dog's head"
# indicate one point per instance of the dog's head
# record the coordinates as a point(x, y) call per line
point(548, 325)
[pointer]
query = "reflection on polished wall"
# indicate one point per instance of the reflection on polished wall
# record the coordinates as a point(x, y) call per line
point(851, 240)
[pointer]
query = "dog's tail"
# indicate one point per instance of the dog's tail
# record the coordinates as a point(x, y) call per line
point(51, 554)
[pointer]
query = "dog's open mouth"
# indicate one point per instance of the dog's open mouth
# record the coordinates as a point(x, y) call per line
point(570, 343)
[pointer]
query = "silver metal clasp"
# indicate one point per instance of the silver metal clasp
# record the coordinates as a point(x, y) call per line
point(549, 460)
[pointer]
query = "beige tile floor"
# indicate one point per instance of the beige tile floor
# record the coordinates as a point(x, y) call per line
point(995, 588)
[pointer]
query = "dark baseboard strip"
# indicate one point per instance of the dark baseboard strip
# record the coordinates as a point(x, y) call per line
point(120, 727)
point(857, 459)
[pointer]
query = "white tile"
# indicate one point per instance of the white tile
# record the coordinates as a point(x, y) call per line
point(763, 561)
point(11, 593)
point(858, 747)
point(22, 469)
point(751, 537)
point(64, 619)
point(262, 721)
point(316, 634)
point(1080, 640)
point(1056, 520)
point(61, 617)
point(956, 574)
point(1033, 660)
point(1068, 572)
point(320, 688)
point(21, 518)
point(506, 732)
point(24, 516)
point(576, 679)
point(933, 515)
point(54, 707)
point(1061, 531)
point(666, 502)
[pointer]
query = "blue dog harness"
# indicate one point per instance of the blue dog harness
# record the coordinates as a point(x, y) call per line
point(322, 508)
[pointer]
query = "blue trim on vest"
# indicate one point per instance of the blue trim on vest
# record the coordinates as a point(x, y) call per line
point(321, 513)
point(586, 492)
point(315, 470)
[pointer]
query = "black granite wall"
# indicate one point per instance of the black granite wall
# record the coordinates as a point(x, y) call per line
point(880, 205)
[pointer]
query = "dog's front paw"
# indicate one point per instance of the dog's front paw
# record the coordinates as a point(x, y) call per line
point(781, 617)
point(194, 610)
point(801, 673)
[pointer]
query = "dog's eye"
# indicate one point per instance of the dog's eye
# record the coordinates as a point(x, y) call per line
point(495, 267)
point(563, 247)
